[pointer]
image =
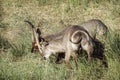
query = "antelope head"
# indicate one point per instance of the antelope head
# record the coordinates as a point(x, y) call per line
point(38, 43)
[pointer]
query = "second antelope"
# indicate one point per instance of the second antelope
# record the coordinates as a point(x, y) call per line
point(95, 27)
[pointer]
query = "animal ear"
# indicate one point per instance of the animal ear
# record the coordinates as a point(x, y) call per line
point(38, 31)
point(39, 35)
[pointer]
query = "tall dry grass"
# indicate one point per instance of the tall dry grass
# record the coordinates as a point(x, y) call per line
point(18, 63)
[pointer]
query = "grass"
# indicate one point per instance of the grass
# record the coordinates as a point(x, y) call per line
point(18, 63)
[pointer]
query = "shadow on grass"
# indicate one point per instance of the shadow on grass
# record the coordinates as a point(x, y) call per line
point(18, 51)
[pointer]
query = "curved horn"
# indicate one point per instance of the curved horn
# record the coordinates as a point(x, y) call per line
point(35, 36)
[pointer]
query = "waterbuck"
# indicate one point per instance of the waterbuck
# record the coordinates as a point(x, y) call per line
point(68, 41)
point(95, 27)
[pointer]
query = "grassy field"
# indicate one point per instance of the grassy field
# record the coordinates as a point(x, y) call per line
point(18, 63)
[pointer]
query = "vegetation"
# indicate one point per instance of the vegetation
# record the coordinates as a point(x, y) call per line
point(18, 63)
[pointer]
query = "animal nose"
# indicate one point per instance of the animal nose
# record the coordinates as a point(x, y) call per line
point(44, 58)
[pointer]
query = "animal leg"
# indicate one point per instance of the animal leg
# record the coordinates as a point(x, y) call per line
point(60, 57)
point(89, 55)
point(75, 59)
point(67, 57)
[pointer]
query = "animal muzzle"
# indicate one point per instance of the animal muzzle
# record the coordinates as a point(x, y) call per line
point(44, 58)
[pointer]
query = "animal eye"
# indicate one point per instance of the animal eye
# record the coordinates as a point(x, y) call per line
point(46, 43)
